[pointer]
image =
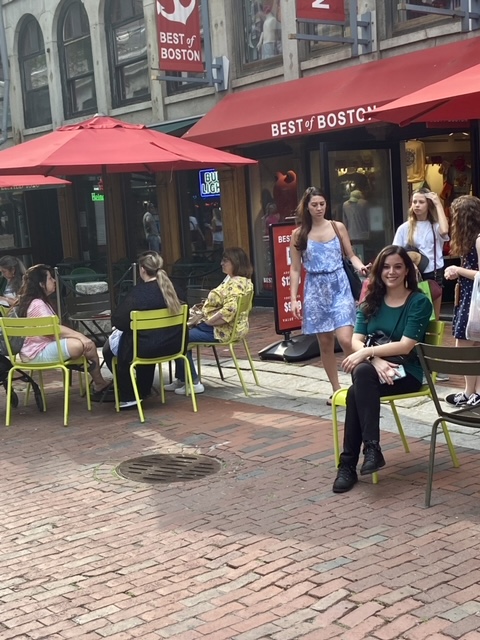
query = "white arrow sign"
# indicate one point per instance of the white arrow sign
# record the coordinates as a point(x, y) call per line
point(320, 4)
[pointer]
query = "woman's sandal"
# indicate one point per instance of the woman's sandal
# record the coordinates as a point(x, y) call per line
point(104, 395)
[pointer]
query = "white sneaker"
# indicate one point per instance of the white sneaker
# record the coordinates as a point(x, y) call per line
point(176, 384)
point(442, 377)
point(128, 404)
point(197, 387)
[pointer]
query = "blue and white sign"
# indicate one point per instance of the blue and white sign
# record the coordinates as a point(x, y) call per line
point(209, 183)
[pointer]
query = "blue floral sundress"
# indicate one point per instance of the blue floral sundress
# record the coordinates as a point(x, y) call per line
point(328, 303)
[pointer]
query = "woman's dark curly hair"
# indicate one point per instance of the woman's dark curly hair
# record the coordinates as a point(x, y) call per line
point(33, 287)
point(376, 287)
point(304, 216)
point(465, 225)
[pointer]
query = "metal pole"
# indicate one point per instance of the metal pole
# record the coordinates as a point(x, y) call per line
point(6, 77)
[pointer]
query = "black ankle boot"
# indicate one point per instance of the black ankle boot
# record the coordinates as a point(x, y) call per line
point(345, 480)
point(374, 459)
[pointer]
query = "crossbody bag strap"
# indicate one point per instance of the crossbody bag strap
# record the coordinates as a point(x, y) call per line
point(339, 237)
point(434, 253)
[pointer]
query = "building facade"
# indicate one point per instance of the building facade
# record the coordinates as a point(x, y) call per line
point(298, 100)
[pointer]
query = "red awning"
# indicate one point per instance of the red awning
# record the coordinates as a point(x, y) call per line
point(8, 183)
point(328, 101)
point(454, 98)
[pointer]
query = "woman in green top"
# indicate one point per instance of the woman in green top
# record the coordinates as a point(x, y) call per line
point(393, 304)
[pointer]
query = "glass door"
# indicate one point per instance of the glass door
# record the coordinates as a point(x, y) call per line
point(361, 197)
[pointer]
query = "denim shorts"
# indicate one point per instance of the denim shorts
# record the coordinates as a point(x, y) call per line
point(50, 353)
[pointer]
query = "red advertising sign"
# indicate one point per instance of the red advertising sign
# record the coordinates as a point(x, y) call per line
point(321, 10)
point(280, 235)
point(179, 42)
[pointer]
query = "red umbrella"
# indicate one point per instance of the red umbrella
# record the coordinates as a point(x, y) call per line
point(104, 145)
point(107, 145)
point(454, 98)
point(8, 183)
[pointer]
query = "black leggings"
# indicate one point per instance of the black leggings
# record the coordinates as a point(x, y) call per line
point(362, 419)
point(144, 376)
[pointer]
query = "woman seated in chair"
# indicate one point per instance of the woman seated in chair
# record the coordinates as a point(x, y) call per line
point(155, 291)
point(395, 306)
point(13, 270)
point(33, 302)
point(218, 313)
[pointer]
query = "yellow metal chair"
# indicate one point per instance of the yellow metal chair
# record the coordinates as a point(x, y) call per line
point(244, 307)
point(433, 336)
point(150, 321)
point(35, 327)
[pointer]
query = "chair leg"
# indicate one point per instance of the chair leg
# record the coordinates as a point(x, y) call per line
point(219, 366)
point(336, 446)
point(87, 386)
point(66, 400)
point(160, 377)
point(252, 366)
point(189, 383)
point(237, 367)
point(399, 426)
point(451, 448)
point(8, 407)
point(431, 463)
point(42, 390)
point(115, 384)
point(135, 391)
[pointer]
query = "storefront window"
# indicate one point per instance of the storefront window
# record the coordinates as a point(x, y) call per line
point(274, 199)
point(34, 73)
point(261, 37)
point(326, 30)
point(14, 231)
point(409, 19)
point(143, 223)
point(361, 198)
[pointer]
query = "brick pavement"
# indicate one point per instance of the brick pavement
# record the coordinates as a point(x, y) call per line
point(261, 550)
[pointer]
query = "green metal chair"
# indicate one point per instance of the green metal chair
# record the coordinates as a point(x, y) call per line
point(151, 321)
point(433, 336)
point(244, 307)
point(36, 327)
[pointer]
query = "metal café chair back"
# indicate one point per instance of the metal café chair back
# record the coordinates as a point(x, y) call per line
point(452, 361)
point(36, 327)
point(150, 321)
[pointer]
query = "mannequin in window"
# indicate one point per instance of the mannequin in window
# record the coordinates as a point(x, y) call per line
point(270, 40)
point(355, 216)
point(285, 193)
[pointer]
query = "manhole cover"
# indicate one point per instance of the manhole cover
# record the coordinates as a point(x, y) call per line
point(165, 468)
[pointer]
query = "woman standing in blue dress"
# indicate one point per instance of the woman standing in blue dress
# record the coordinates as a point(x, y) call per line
point(328, 304)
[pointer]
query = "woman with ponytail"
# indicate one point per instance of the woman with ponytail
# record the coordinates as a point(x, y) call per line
point(155, 291)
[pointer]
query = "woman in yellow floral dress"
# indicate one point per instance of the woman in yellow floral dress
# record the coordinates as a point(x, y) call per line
point(219, 313)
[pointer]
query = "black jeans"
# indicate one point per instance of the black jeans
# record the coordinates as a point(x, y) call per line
point(362, 419)
point(144, 376)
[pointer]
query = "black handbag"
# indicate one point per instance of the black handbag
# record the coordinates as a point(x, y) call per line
point(353, 277)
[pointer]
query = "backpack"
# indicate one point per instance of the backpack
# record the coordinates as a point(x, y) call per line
point(16, 342)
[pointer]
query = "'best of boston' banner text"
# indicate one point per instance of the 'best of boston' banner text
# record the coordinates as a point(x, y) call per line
point(179, 42)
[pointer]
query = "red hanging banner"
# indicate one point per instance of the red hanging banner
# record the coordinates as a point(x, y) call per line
point(179, 41)
point(321, 10)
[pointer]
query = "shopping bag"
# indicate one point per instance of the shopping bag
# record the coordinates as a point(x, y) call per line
point(473, 324)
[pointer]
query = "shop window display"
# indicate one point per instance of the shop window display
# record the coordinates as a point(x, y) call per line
point(441, 164)
point(361, 198)
point(262, 30)
point(274, 199)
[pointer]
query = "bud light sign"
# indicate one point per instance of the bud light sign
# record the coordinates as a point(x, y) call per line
point(209, 183)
